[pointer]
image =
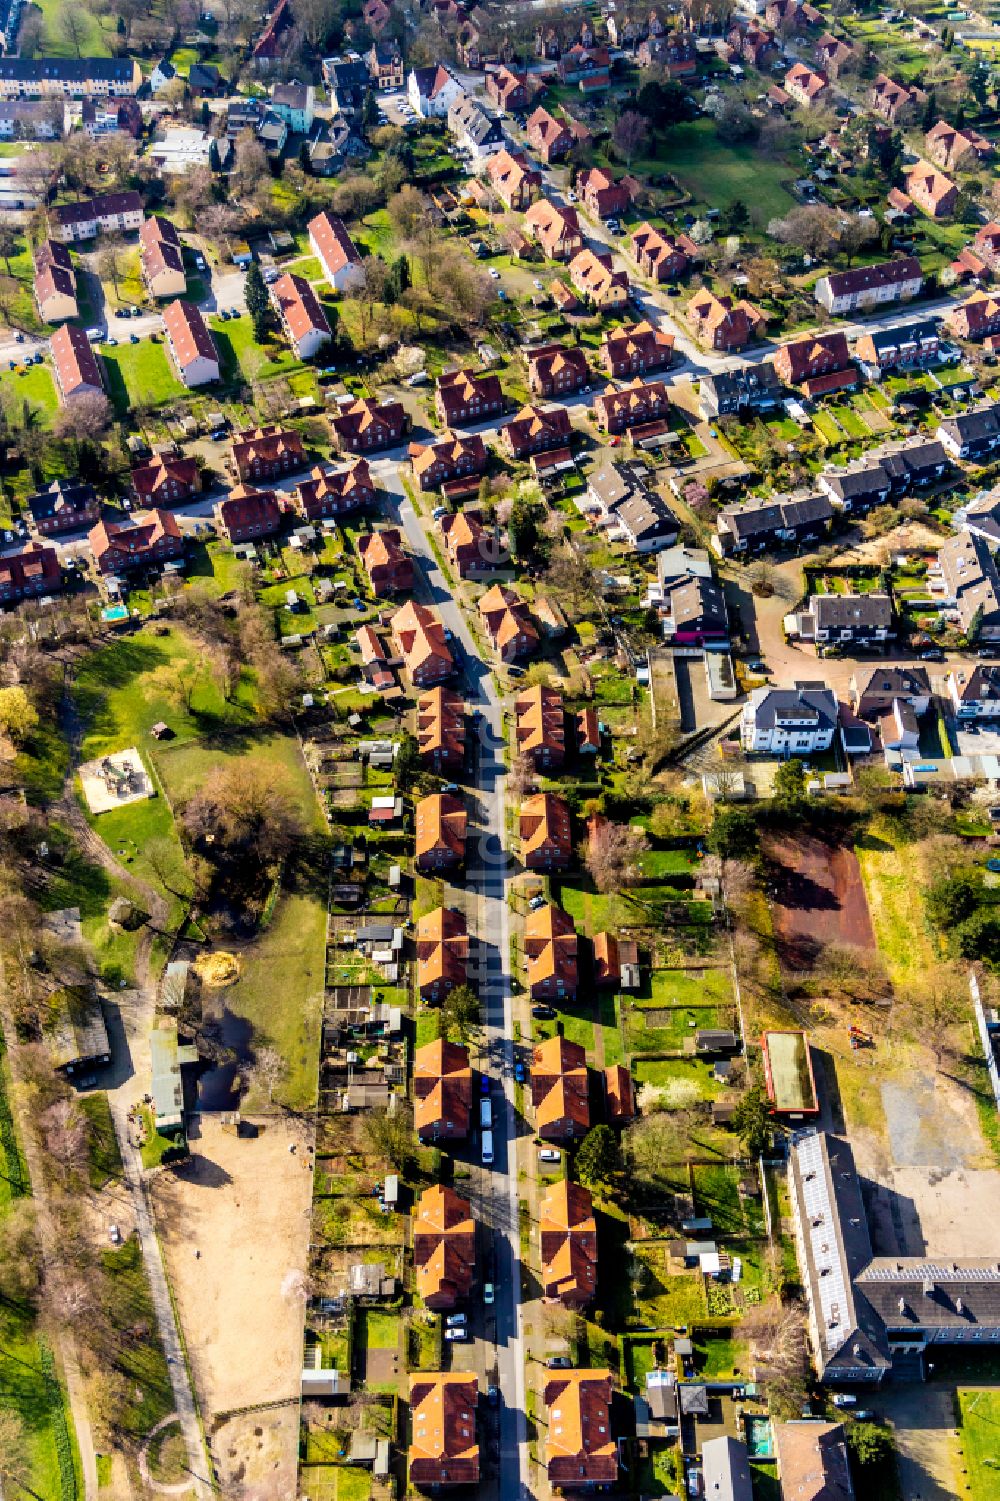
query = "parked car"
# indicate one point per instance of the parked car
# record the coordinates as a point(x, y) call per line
point(559, 1363)
point(535, 903)
point(543, 1013)
point(457, 1336)
point(520, 1072)
point(550, 1154)
point(489, 1293)
point(114, 1235)
point(456, 1320)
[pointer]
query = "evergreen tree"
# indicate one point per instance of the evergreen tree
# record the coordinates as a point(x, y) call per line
point(255, 293)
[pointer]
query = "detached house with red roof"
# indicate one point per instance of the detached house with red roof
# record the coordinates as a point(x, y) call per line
point(167, 480)
point(819, 363)
point(190, 342)
point(588, 67)
point(471, 547)
point(546, 832)
point(55, 283)
point(161, 258)
point(550, 137)
point(556, 229)
point(442, 951)
point(366, 425)
point(433, 90)
point(931, 192)
point(247, 515)
point(807, 87)
point(897, 103)
point(580, 1453)
point(388, 566)
point(602, 195)
point(976, 318)
point(421, 642)
point(555, 370)
point(660, 256)
point(508, 89)
point(336, 492)
point(560, 1090)
point(440, 730)
point(442, 1091)
point(266, 453)
point(568, 1234)
point(441, 824)
point(595, 278)
point(74, 363)
point(301, 314)
point(536, 429)
point(987, 244)
point(510, 628)
point(464, 396)
point(540, 727)
point(721, 323)
point(444, 1248)
point(550, 954)
point(956, 150)
point(512, 179)
point(443, 1449)
point(336, 251)
point(636, 349)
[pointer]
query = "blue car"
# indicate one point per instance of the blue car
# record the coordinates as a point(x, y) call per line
point(993, 865)
point(520, 1072)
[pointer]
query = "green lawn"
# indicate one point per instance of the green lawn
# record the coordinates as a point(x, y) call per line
point(140, 375)
point(381, 1330)
point(36, 386)
point(332, 1482)
point(980, 1432)
point(128, 1305)
point(667, 1031)
point(92, 42)
point(664, 1072)
point(243, 359)
point(717, 174)
point(280, 991)
point(688, 987)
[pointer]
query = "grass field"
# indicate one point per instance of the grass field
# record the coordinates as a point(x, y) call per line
point(36, 386)
point(242, 358)
point(92, 42)
point(980, 1433)
point(140, 375)
point(717, 174)
point(894, 896)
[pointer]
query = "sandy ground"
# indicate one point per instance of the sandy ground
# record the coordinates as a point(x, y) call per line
point(244, 1205)
point(818, 898)
point(930, 1454)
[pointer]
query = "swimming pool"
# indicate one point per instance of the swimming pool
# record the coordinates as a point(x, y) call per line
point(114, 612)
point(760, 1440)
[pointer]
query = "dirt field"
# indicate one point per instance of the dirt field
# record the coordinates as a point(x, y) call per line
point(244, 1205)
point(818, 898)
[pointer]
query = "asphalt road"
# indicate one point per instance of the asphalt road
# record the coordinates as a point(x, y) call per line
point(498, 1349)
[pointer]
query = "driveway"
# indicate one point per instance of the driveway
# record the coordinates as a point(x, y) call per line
point(930, 1453)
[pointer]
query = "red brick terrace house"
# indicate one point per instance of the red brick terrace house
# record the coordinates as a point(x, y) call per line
point(420, 640)
point(818, 363)
point(555, 370)
point(442, 1090)
point(540, 726)
point(987, 244)
point(336, 492)
point(464, 396)
point(536, 429)
point(546, 832)
point(721, 323)
point(444, 1247)
point(247, 515)
point(975, 318)
point(956, 150)
point(508, 89)
point(602, 195)
point(28, 574)
point(120, 545)
point(806, 86)
point(510, 628)
point(751, 44)
point(166, 480)
point(454, 463)
point(365, 425)
point(640, 402)
point(568, 1233)
point(636, 349)
point(266, 453)
point(550, 954)
point(550, 137)
point(388, 566)
point(660, 256)
point(560, 1090)
point(596, 279)
point(443, 1449)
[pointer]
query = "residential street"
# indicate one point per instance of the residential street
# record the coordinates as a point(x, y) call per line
point(499, 1347)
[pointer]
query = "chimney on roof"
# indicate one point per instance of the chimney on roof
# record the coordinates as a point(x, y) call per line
point(902, 1305)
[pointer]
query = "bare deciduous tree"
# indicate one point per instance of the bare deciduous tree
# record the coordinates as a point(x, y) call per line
point(64, 1128)
point(269, 1069)
point(611, 854)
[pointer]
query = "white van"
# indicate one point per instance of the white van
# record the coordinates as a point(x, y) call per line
point(486, 1113)
point(95, 335)
point(487, 1148)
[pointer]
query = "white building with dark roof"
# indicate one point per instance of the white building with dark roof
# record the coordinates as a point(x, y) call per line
point(796, 721)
